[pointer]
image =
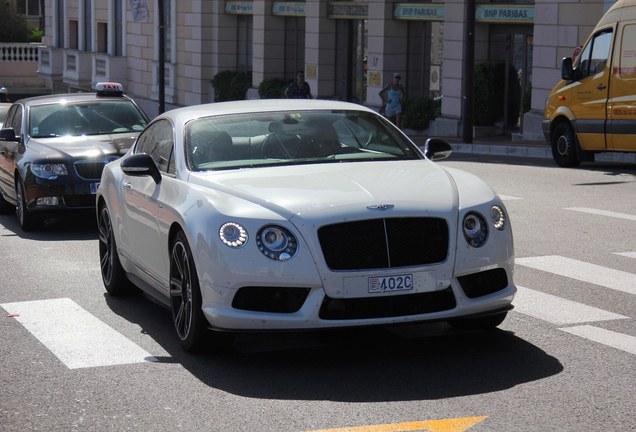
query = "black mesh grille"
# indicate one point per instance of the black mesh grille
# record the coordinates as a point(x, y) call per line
point(90, 170)
point(483, 283)
point(384, 243)
point(387, 306)
point(79, 201)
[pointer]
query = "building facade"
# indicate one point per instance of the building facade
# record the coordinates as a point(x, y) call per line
point(348, 49)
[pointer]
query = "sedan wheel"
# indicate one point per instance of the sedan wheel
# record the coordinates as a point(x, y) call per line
point(185, 296)
point(113, 274)
point(26, 219)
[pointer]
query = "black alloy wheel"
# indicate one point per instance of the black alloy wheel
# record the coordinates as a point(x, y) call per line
point(113, 274)
point(185, 296)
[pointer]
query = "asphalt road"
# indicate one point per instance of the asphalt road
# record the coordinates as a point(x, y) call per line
point(565, 358)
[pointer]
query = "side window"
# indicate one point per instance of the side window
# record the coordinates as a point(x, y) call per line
point(157, 141)
point(14, 119)
point(595, 55)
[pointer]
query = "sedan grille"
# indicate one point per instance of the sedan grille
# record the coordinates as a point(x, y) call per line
point(90, 170)
point(384, 243)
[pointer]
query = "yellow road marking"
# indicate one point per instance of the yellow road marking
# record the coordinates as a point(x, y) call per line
point(445, 425)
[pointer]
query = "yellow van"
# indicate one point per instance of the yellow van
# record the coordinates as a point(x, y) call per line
point(593, 108)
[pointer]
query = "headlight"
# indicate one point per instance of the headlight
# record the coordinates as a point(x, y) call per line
point(276, 242)
point(498, 217)
point(233, 234)
point(475, 229)
point(48, 171)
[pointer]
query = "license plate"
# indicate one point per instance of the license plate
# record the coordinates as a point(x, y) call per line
point(380, 284)
point(94, 187)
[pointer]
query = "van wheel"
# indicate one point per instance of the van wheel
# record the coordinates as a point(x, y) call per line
point(564, 146)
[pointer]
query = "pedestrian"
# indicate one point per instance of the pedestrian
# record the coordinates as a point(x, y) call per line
point(299, 88)
point(4, 94)
point(393, 97)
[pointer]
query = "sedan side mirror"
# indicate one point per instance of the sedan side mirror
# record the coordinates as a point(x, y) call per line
point(437, 149)
point(139, 165)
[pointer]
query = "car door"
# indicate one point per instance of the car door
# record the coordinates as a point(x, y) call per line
point(621, 124)
point(10, 151)
point(590, 93)
point(146, 235)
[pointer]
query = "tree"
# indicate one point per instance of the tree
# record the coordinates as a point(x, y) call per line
point(13, 27)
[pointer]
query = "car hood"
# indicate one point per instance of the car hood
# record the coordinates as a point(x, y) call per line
point(326, 192)
point(93, 146)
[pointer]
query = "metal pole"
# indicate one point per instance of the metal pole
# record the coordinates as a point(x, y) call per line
point(161, 73)
point(468, 72)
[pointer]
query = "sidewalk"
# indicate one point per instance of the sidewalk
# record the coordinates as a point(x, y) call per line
point(505, 146)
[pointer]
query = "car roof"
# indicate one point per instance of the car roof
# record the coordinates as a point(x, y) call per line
point(181, 115)
point(72, 97)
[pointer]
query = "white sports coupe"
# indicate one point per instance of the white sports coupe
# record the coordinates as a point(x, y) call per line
point(277, 215)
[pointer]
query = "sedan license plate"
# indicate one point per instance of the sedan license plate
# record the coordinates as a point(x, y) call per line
point(94, 187)
point(380, 284)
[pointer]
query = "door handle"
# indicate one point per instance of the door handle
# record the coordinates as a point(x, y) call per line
point(601, 87)
point(127, 185)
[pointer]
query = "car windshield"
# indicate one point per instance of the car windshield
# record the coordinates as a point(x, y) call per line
point(289, 138)
point(86, 118)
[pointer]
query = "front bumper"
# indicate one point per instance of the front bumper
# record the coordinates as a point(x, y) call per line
point(482, 293)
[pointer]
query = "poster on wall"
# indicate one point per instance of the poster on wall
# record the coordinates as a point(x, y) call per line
point(139, 10)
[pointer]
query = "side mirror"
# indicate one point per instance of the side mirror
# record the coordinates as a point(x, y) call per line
point(140, 165)
point(8, 135)
point(567, 73)
point(437, 149)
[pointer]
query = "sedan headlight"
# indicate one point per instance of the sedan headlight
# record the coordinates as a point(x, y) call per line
point(233, 234)
point(475, 229)
point(48, 171)
point(276, 242)
point(498, 217)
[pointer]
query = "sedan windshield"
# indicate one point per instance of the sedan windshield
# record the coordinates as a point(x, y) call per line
point(86, 118)
point(287, 138)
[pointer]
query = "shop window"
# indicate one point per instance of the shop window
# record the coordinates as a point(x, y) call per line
point(244, 48)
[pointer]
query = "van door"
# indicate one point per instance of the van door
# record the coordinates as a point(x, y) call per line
point(621, 118)
point(590, 93)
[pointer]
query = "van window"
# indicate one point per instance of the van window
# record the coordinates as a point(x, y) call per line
point(595, 54)
point(627, 68)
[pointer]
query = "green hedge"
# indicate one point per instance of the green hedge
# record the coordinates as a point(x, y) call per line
point(273, 88)
point(418, 113)
point(231, 85)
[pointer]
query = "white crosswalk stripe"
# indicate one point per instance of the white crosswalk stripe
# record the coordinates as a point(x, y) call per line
point(626, 254)
point(603, 213)
point(616, 340)
point(565, 312)
point(557, 310)
point(76, 337)
point(583, 271)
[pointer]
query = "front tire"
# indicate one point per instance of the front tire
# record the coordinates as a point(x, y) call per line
point(488, 322)
point(185, 296)
point(113, 274)
point(27, 221)
point(564, 146)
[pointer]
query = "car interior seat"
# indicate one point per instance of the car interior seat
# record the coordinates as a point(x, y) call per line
point(208, 144)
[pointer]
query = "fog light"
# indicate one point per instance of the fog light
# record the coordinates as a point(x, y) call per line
point(47, 201)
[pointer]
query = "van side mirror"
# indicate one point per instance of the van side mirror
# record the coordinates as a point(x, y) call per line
point(567, 73)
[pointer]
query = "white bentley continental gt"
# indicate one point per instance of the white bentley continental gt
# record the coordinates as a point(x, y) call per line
point(294, 215)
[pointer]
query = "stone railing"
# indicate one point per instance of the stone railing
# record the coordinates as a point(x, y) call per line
point(19, 68)
point(19, 52)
